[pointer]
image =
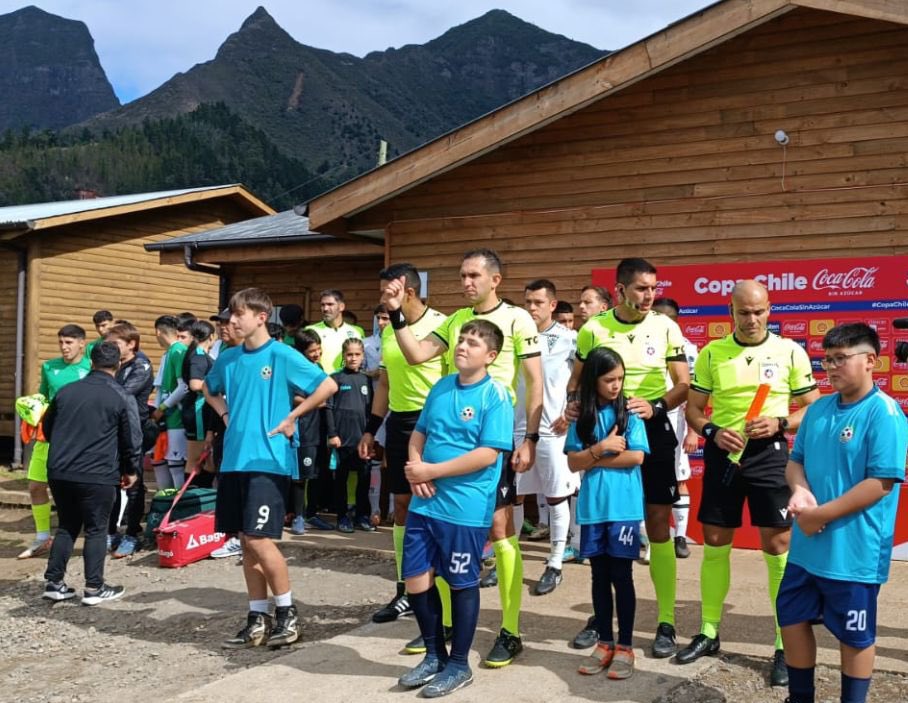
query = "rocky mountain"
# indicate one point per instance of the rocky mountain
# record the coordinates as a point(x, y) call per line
point(330, 110)
point(50, 76)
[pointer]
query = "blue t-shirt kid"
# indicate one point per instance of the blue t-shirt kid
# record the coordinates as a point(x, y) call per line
point(455, 420)
point(259, 385)
point(610, 495)
point(839, 446)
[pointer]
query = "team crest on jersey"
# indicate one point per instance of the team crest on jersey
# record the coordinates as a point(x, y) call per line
point(768, 371)
point(649, 350)
point(307, 461)
point(846, 434)
point(266, 372)
point(467, 413)
point(364, 390)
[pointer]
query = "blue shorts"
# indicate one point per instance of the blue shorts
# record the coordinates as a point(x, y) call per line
point(848, 609)
point(453, 551)
point(617, 539)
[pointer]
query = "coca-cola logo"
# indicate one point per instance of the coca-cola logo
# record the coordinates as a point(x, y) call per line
point(857, 278)
point(695, 330)
point(815, 346)
point(794, 327)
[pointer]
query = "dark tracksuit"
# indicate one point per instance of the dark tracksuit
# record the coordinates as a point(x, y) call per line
point(309, 490)
point(137, 379)
point(346, 415)
point(95, 427)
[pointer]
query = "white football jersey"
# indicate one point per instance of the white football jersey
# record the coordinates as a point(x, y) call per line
point(559, 348)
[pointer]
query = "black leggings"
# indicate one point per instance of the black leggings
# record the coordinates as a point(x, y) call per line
point(611, 572)
point(135, 509)
point(348, 462)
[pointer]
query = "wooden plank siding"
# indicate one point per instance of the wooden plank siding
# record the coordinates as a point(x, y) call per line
point(77, 269)
point(290, 282)
point(682, 167)
point(8, 269)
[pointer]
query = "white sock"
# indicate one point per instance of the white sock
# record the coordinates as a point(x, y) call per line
point(518, 519)
point(559, 524)
point(258, 606)
point(162, 476)
point(574, 529)
point(42, 536)
point(177, 474)
point(283, 600)
point(543, 509)
point(644, 538)
point(681, 513)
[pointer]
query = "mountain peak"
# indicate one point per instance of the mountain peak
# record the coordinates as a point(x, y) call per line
point(260, 19)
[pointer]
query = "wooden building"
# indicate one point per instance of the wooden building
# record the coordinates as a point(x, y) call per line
point(62, 261)
point(666, 149)
point(279, 254)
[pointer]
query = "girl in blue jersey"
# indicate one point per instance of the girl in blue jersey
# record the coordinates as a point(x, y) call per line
point(608, 443)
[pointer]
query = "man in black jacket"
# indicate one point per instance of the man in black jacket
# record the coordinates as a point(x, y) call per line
point(95, 427)
point(136, 377)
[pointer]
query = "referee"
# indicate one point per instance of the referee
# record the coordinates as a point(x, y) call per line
point(727, 374)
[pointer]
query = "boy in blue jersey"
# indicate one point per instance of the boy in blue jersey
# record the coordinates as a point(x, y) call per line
point(848, 455)
point(454, 468)
point(260, 378)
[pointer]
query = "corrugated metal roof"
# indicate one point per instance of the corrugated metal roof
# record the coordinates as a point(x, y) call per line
point(24, 215)
point(283, 227)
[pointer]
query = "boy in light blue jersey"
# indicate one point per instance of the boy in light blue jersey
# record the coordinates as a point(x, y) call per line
point(454, 469)
point(848, 456)
point(260, 379)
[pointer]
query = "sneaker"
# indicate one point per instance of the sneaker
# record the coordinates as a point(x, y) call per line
point(364, 523)
point(664, 644)
point(539, 533)
point(298, 526)
point(778, 675)
point(319, 524)
point(682, 551)
point(36, 548)
point(127, 547)
point(418, 646)
point(551, 577)
point(527, 527)
point(622, 666)
point(421, 674)
point(104, 594)
point(399, 605)
point(113, 541)
point(506, 647)
point(488, 554)
point(447, 681)
point(345, 525)
point(231, 548)
point(490, 579)
point(286, 628)
point(255, 634)
point(588, 636)
point(58, 591)
point(571, 554)
point(598, 661)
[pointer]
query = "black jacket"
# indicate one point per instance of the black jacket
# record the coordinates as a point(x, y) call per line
point(94, 432)
point(137, 379)
point(348, 410)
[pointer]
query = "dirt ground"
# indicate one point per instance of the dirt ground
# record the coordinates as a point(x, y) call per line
point(163, 639)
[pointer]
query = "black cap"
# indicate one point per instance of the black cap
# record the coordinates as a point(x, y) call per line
point(222, 316)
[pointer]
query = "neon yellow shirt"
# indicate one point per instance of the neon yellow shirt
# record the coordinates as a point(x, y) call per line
point(409, 385)
point(731, 372)
point(645, 347)
point(521, 340)
point(333, 339)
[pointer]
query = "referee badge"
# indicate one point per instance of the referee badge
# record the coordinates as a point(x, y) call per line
point(846, 434)
point(266, 372)
point(768, 372)
point(467, 413)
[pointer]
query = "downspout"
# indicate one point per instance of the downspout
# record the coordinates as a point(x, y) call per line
point(21, 275)
point(223, 283)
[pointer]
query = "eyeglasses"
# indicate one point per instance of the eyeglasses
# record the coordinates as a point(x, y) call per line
point(834, 362)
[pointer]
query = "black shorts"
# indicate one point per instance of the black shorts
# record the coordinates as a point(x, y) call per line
point(506, 492)
point(760, 479)
point(660, 483)
point(398, 428)
point(310, 459)
point(251, 503)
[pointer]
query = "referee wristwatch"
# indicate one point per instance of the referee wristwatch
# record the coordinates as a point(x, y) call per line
point(783, 424)
point(532, 437)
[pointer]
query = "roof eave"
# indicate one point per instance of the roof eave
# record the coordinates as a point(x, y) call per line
point(173, 245)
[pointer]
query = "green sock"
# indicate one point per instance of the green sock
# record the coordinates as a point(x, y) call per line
point(397, 534)
point(444, 594)
point(41, 514)
point(352, 481)
point(775, 565)
point(509, 564)
point(663, 570)
point(715, 578)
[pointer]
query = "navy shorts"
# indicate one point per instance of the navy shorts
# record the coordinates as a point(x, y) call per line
point(616, 539)
point(848, 609)
point(251, 503)
point(453, 551)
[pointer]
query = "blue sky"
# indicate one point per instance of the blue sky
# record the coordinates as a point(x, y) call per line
point(141, 44)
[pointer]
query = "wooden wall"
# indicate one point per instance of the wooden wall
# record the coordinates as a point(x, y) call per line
point(77, 269)
point(683, 167)
point(289, 282)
